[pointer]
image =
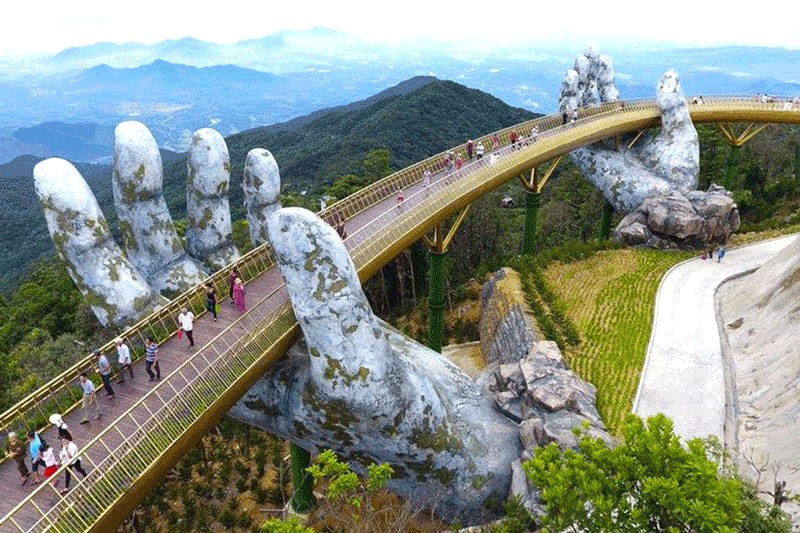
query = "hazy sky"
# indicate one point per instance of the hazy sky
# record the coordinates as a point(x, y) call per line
point(49, 26)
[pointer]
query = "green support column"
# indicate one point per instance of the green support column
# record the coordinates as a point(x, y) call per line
point(531, 214)
point(605, 221)
point(730, 169)
point(301, 480)
point(436, 300)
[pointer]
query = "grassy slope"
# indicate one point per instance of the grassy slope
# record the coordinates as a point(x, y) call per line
point(610, 298)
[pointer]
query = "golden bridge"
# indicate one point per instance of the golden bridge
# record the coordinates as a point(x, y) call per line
point(148, 427)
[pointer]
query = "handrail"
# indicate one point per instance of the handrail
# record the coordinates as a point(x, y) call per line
point(370, 246)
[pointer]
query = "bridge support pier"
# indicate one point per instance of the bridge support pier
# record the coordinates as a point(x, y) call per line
point(438, 244)
point(533, 188)
point(302, 482)
point(605, 220)
point(736, 142)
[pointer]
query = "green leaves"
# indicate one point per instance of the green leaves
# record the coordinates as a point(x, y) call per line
point(648, 483)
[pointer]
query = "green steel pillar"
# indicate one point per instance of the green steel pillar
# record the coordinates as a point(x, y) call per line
point(301, 480)
point(605, 221)
point(531, 214)
point(730, 170)
point(436, 300)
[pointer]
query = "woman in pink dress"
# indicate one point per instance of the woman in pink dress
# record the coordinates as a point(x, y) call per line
point(238, 294)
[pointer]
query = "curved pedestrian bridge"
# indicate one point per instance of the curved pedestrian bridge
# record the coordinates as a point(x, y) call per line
point(148, 427)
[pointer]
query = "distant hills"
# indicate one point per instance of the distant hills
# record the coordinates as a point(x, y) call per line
point(413, 120)
point(178, 86)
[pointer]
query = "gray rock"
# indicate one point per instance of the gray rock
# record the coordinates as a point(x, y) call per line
point(373, 395)
point(114, 289)
point(558, 427)
point(152, 245)
point(693, 221)
point(208, 234)
point(262, 187)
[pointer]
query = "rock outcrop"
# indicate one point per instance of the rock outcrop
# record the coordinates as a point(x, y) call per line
point(361, 388)
point(691, 221)
point(151, 243)
point(262, 187)
point(208, 235)
point(114, 289)
point(663, 167)
point(506, 327)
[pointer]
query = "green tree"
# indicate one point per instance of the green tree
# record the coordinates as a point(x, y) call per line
point(650, 482)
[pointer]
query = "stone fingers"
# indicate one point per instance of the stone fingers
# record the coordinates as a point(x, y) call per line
point(115, 290)
point(152, 244)
point(262, 185)
point(208, 234)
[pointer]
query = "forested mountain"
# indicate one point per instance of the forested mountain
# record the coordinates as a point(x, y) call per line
point(416, 119)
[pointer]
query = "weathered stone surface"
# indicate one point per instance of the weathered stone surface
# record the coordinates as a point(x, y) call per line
point(506, 325)
point(114, 289)
point(208, 234)
point(363, 389)
point(262, 187)
point(696, 220)
point(152, 245)
point(662, 168)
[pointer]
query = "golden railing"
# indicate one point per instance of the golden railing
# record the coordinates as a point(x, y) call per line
point(173, 415)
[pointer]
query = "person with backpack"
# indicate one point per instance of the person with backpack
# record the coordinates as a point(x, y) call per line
point(211, 299)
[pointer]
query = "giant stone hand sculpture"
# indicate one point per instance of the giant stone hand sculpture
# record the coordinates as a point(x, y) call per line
point(122, 289)
point(358, 386)
point(656, 177)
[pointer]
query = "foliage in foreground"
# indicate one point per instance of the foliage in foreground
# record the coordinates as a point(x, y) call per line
point(650, 482)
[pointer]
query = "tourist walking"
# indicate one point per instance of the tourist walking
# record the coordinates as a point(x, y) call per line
point(61, 426)
point(238, 294)
point(34, 443)
point(151, 359)
point(104, 369)
point(89, 399)
point(513, 137)
point(69, 457)
point(720, 253)
point(232, 279)
point(124, 359)
point(469, 149)
point(186, 319)
point(211, 299)
point(479, 150)
point(16, 450)
point(495, 142)
point(459, 161)
point(50, 461)
point(426, 178)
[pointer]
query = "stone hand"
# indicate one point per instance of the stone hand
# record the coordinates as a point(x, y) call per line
point(656, 164)
point(121, 288)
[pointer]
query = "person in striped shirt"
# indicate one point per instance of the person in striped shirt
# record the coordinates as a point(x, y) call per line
point(151, 359)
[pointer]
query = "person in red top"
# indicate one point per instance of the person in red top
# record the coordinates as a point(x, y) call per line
point(513, 138)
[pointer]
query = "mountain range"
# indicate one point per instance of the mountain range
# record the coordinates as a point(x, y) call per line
point(413, 120)
point(178, 86)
